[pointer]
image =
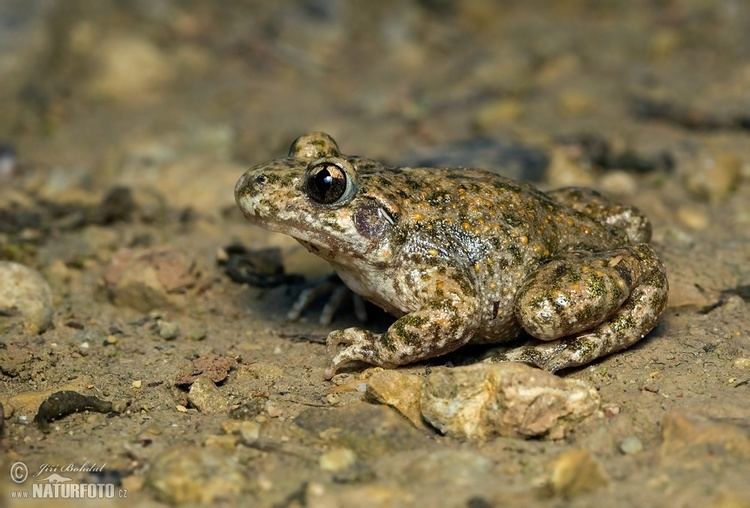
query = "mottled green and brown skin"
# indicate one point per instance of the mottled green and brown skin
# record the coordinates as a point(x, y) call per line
point(463, 255)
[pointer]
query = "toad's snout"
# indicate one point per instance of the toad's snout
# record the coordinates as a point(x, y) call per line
point(248, 190)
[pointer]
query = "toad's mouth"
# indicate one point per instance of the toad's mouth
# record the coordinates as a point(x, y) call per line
point(320, 242)
point(325, 239)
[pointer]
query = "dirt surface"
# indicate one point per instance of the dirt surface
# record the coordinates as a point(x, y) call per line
point(124, 125)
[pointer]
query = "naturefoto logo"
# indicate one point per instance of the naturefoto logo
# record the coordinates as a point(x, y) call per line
point(57, 485)
point(56, 478)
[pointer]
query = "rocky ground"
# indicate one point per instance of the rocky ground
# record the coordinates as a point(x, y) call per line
point(124, 341)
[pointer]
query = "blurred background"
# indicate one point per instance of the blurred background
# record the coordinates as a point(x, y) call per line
point(124, 126)
point(646, 100)
point(114, 91)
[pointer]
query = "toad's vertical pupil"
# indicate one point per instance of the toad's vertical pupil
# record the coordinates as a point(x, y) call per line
point(323, 180)
point(326, 183)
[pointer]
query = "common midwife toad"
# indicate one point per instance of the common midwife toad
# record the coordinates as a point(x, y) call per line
point(464, 256)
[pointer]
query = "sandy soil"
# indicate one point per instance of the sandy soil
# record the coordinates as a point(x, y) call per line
point(125, 125)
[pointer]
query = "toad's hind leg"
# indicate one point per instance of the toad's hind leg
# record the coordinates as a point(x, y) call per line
point(614, 329)
point(589, 202)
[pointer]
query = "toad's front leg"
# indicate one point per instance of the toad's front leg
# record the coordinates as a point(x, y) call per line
point(442, 326)
point(446, 320)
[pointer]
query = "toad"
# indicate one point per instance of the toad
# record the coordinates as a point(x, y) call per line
point(463, 256)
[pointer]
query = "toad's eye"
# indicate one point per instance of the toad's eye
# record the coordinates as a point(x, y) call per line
point(327, 183)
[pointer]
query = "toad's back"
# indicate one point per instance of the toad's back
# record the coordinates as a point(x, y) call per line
point(482, 214)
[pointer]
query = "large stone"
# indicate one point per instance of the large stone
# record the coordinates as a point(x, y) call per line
point(508, 399)
point(149, 279)
point(26, 292)
point(400, 391)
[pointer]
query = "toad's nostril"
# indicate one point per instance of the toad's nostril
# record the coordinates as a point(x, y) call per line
point(249, 184)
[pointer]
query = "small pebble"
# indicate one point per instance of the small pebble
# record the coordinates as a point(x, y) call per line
point(692, 218)
point(168, 330)
point(618, 183)
point(228, 443)
point(180, 408)
point(264, 483)
point(250, 431)
point(337, 459)
point(577, 472)
point(631, 445)
point(714, 177)
point(567, 167)
point(137, 383)
point(273, 410)
point(222, 256)
point(611, 410)
point(574, 102)
point(206, 397)
point(650, 387)
point(8, 161)
point(316, 489)
point(132, 483)
point(196, 335)
point(498, 113)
